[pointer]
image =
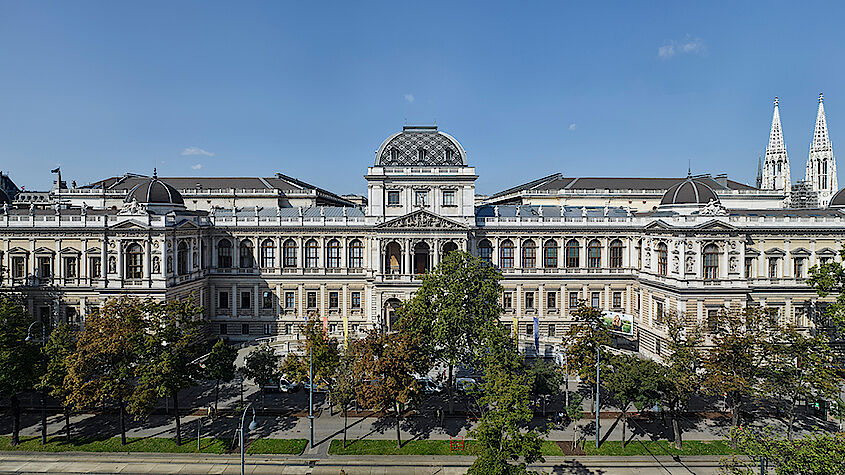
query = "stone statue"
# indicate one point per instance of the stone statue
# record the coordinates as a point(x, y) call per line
point(31, 209)
point(112, 265)
point(5, 208)
point(156, 265)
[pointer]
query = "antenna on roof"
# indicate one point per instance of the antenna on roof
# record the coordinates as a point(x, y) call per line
point(155, 174)
point(689, 167)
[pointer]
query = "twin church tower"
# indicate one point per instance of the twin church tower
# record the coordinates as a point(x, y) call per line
point(820, 179)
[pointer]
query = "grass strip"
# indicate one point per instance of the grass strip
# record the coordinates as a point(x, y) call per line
point(277, 446)
point(659, 447)
point(134, 444)
point(417, 447)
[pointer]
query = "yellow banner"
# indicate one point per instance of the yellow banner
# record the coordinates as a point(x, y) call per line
point(515, 329)
point(345, 331)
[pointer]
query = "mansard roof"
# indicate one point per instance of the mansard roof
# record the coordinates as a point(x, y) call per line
point(528, 211)
point(307, 211)
point(403, 148)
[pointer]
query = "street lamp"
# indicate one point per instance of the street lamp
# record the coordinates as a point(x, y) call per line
point(43, 389)
point(252, 426)
point(311, 394)
point(598, 390)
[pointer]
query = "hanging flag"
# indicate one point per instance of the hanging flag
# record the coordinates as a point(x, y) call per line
point(325, 324)
point(515, 329)
point(345, 331)
point(55, 170)
point(537, 335)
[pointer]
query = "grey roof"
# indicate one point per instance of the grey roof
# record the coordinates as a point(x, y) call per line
point(558, 182)
point(690, 191)
point(527, 211)
point(420, 146)
point(4, 198)
point(838, 199)
point(154, 191)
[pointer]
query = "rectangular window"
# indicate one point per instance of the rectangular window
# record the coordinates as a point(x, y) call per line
point(45, 267)
point(245, 329)
point(573, 300)
point(288, 328)
point(70, 267)
point(333, 300)
point(393, 198)
point(356, 299)
point(332, 327)
point(420, 198)
point(551, 300)
point(749, 267)
point(96, 265)
point(551, 329)
point(507, 300)
point(18, 267)
point(617, 299)
point(529, 329)
point(267, 299)
point(290, 299)
point(799, 268)
point(595, 299)
point(268, 328)
point(449, 198)
point(712, 320)
point(311, 300)
point(529, 299)
point(223, 328)
point(246, 297)
point(223, 300)
point(658, 311)
point(773, 267)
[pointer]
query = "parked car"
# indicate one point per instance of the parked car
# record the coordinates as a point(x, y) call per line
point(428, 386)
point(286, 386)
point(464, 385)
point(319, 386)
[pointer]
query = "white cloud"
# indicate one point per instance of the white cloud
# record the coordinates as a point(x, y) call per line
point(573, 126)
point(409, 97)
point(688, 45)
point(196, 166)
point(190, 151)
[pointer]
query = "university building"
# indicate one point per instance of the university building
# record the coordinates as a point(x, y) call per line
point(262, 254)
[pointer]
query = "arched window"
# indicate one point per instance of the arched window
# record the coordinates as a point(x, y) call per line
point(356, 254)
point(224, 254)
point(449, 247)
point(289, 253)
point(268, 254)
point(572, 253)
point(529, 254)
point(550, 254)
point(506, 254)
point(245, 254)
point(311, 253)
point(333, 254)
point(594, 254)
point(616, 253)
point(182, 258)
point(134, 261)
point(662, 259)
point(485, 251)
point(711, 261)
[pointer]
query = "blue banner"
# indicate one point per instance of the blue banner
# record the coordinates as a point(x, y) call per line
point(537, 335)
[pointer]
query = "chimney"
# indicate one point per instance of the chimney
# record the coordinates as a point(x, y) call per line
point(722, 179)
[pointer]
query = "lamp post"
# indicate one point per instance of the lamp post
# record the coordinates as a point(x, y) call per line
point(598, 389)
point(311, 395)
point(252, 426)
point(43, 389)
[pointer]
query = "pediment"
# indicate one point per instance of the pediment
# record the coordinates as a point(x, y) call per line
point(659, 224)
point(775, 252)
point(185, 223)
point(421, 219)
point(130, 225)
point(44, 250)
point(92, 250)
point(70, 250)
point(826, 252)
point(750, 251)
point(18, 250)
point(716, 225)
point(800, 252)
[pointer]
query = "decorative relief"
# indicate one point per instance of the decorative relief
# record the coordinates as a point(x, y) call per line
point(732, 265)
point(713, 208)
point(690, 264)
point(422, 219)
point(156, 265)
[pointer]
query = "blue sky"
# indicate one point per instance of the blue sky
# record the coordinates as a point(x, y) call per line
point(310, 89)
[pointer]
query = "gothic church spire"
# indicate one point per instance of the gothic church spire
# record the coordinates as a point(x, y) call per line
point(776, 163)
point(821, 164)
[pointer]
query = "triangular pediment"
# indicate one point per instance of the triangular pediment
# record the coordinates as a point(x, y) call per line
point(716, 225)
point(659, 224)
point(70, 250)
point(18, 250)
point(421, 219)
point(44, 250)
point(130, 225)
point(186, 224)
point(93, 250)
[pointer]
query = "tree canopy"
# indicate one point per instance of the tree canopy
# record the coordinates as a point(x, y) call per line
point(18, 359)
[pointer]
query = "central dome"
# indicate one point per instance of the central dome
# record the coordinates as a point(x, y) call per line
point(420, 145)
point(689, 192)
point(154, 191)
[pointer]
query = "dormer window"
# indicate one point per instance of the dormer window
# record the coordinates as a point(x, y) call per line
point(449, 155)
point(394, 154)
point(421, 154)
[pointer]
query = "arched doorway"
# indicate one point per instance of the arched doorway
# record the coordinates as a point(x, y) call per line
point(389, 311)
point(393, 258)
point(449, 247)
point(421, 254)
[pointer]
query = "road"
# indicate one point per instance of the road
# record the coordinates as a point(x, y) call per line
point(76, 463)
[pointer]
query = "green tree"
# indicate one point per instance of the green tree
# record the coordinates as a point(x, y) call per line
point(502, 431)
point(586, 338)
point(387, 363)
point(680, 378)
point(453, 308)
point(546, 379)
point(632, 381)
point(575, 412)
point(733, 366)
point(799, 367)
point(326, 352)
point(102, 369)
point(346, 382)
point(18, 359)
point(827, 279)
point(816, 454)
point(262, 365)
point(220, 366)
point(60, 346)
point(170, 346)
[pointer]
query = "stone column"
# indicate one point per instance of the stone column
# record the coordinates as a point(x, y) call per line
point(236, 252)
point(234, 300)
point(147, 258)
point(541, 304)
point(256, 298)
point(121, 272)
point(787, 260)
point(409, 260)
point(761, 266)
